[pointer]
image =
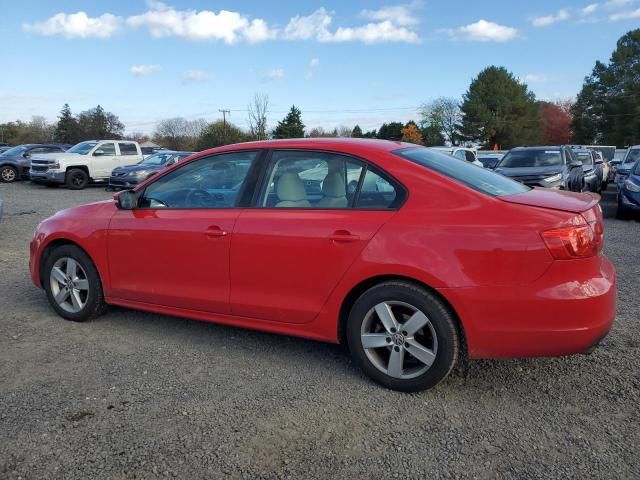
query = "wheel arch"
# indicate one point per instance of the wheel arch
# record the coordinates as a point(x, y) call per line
point(84, 168)
point(364, 285)
point(60, 242)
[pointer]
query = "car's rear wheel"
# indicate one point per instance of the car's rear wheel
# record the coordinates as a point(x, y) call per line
point(403, 336)
point(72, 284)
point(76, 179)
point(8, 174)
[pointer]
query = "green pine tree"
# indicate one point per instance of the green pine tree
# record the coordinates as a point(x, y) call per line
point(356, 132)
point(291, 126)
point(67, 127)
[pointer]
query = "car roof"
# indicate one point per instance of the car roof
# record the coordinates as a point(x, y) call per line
point(548, 147)
point(345, 145)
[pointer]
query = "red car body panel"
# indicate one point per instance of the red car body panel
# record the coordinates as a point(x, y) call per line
point(289, 271)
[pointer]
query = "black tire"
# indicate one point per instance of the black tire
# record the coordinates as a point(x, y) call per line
point(8, 174)
point(76, 179)
point(94, 302)
point(443, 326)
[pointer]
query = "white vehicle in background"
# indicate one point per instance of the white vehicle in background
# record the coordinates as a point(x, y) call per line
point(463, 153)
point(90, 161)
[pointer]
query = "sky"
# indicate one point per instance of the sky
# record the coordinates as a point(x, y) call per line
point(341, 63)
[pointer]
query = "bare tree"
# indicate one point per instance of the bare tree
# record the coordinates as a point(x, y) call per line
point(257, 111)
point(179, 133)
point(443, 113)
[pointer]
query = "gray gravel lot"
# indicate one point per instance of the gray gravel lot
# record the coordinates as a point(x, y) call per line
point(136, 395)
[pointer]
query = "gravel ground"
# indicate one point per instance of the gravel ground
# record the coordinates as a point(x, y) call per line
point(136, 395)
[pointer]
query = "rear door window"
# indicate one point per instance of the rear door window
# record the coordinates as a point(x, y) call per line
point(128, 149)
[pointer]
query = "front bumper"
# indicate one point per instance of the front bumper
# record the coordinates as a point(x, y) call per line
point(123, 182)
point(566, 311)
point(49, 176)
point(630, 200)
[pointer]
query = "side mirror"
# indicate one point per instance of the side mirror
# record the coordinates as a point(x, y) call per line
point(26, 155)
point(615, 162)
point(98, 153)
point(599, 161)
point(126, 200)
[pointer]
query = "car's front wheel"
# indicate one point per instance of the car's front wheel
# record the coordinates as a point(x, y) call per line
point(403, 336)
point(76, 179)
point(8, 174)
point(72, 284)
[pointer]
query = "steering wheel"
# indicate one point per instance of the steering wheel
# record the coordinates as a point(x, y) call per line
point(200, 197)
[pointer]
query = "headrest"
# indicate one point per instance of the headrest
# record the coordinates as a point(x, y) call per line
point(290, 188)
point(333, 185)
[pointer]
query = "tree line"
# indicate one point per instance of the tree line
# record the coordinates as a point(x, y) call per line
point(498, 110)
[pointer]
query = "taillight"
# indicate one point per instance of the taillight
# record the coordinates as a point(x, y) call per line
point(581, 237)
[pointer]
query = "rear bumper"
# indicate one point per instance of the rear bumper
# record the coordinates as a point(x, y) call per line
point(566, 311)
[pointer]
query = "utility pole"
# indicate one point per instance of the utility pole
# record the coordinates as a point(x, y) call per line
point(224, 121)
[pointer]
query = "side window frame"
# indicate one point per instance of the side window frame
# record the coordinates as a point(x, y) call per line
point(401, 191)
point(249, 179)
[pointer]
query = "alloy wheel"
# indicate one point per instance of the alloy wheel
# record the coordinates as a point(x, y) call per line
point(8, 174)
point(69, 284)
point(399, 339)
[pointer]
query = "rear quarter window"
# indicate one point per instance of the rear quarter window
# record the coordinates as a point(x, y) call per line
point(478, 178)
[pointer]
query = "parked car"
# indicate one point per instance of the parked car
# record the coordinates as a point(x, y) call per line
point(4, 144)
point(4, 149)
point(15, 162)
point(629, 193)
point(447, 256)
point(624, 169)
point(147, 151)
point(607, 171)
point(593, 174)
point(490, 160)
point(90, 161)
point(463, 153)
point(130, 175)
point(548, 167)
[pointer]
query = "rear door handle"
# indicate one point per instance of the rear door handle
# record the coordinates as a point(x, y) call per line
point(215, 231)
point(343, 236)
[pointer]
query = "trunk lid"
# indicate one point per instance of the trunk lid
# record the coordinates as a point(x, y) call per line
point(554, 199)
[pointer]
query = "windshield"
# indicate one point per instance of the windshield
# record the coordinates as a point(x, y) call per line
point(584, 157)
point(156, 159)
point(532, 158)
point(633, 154)
point(474, 176)
point(82, 148)
point(14, 151)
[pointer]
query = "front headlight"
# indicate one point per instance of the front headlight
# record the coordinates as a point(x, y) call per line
point(631, 186)
point(553, 178)
point(53, 166)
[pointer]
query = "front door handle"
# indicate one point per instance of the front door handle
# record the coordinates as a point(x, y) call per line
point(215, 231)
point(343, 236)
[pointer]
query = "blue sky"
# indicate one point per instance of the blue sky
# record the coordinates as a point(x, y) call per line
point(341, 62)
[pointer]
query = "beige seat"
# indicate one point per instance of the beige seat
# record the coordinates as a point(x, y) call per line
point(290, 191)
point(334, 192)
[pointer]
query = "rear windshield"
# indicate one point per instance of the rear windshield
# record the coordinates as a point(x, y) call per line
point(471, 175)
point(532, 158)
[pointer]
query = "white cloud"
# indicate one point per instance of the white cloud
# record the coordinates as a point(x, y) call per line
point(547, 20)
point(193, 76)
point(139, 70)
point(398, 14)
point(275, 73)
point(590, 9)
point(483, 31)
point(618, 3)
point(76, 25)
point(316, 26)
point(616, 17)
point(313, 64)
point(162, 21)
point(535, 78)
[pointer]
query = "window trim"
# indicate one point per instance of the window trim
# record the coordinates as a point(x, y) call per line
point(402, 192)
point(260, 154)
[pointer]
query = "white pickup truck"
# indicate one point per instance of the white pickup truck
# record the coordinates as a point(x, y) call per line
point(90, 161)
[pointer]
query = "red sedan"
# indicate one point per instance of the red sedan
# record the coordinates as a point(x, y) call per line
point(408, 255)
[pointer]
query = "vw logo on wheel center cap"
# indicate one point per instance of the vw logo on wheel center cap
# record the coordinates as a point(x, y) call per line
point(398, 339)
